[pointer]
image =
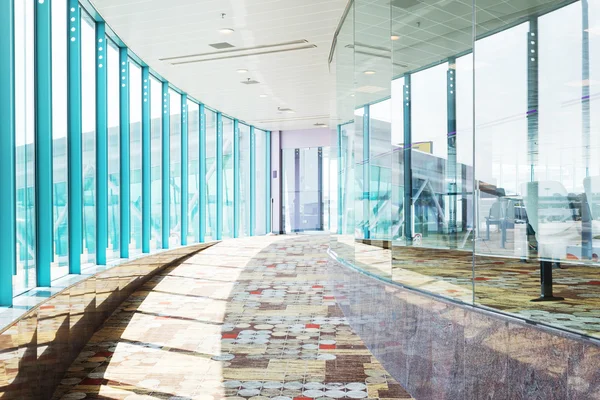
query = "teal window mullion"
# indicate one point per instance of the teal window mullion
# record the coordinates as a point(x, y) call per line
point(75, 209)
point(8, 257)
point(236, 178)
point(166, 159)
point(101, 145)
point(406, 109)
point(124, 153)
point(268, 181)
point(366, 172)
point(146, 161)
point(43, 141)
point(252, 182)
point(202, 168)
point(219, 172)
point(184, 170)
point(340, 194)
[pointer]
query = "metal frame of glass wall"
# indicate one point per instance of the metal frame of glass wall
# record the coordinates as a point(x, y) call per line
point(63, 211)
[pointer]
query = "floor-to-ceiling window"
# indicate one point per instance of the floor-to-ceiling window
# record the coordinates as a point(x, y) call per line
point(228, 188)
point(88, 139)
point(244, 179)
point(135, 137)
point(156, 107)
point(114, 159)
point(60, 264)
point(262, 206)
point(175, 169)
point(193, 172)
point(25, 142)
point(211, 175)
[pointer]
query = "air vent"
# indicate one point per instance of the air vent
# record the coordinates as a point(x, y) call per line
point(250, 82)
point(285, 109)
point(222, 45)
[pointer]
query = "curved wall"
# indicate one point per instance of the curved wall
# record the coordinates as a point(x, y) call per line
point(437, 349)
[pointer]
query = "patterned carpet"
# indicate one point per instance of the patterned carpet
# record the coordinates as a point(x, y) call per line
point(246, 319)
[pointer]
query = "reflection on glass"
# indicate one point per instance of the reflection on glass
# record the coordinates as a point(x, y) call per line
point(24, 277)
point(135, 145)
point(228, 189)
point(114, 159)
point(60, 264)
point(193, 172)
point(88, 123)
point(156, 106)
point(211, 175)
point(244, 179)
point(175, 169)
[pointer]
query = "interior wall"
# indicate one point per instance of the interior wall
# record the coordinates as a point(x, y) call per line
point(303, 138)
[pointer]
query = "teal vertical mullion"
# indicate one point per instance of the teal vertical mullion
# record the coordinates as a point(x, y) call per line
point(219, 173)
point(252, 182)
point(184, 170)
point(124, 147)
point(268, 182)
point(339, 192)
point(166, 157)
point(236, 178)
point(8, 257)
point(43, 141)
point(202, 169)
point(451, 169)
point(406, 110)
point(75, 194)
point(366, 173)
point(101, 146)
point(146, 161)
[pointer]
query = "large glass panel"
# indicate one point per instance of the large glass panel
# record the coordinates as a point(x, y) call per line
point(60, 264)
point(262, 205)
point(244, 180)
point(156, 111)
point(135, 160)
point(227, 177)
point(211, 175)
point(88, 123)
point(25, 275)
point(193, 172)
point(175, 170)
point(114, 157)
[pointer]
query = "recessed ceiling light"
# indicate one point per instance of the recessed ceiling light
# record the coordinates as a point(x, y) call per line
point(262, 95)
point(369, 72)
point(242, 71)
point(226, 31)
point(395, 37)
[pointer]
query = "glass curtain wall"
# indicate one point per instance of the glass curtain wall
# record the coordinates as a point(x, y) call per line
point(244, 179)
point(60, 195)
point(479, 169)
point(193, 172)
point(262, 206)
point(135, 157)
point(24, 18)
point(228, 189)
point(114, 160)
point(29, 153)
point(156, 107)
point(175, 169)
point(211, 175)
point(88, 139)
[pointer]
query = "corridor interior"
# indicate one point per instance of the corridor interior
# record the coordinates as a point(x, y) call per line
point(251, 318)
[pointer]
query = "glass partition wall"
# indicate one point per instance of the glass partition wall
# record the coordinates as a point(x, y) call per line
point(468, 155)
point(80, 197)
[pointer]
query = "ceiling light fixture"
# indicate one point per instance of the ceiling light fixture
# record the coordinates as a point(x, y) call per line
point(262, 96)
point(242, 71)
point(395, 37)
point(226, 31)
point(370, 72)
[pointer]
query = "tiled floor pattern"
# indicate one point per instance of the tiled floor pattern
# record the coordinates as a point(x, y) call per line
point(501, 283)
point(246, 319)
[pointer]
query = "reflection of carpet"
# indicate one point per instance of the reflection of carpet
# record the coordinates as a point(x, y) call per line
point(509, 285)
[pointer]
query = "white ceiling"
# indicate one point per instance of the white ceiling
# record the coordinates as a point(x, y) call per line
point(300, 80)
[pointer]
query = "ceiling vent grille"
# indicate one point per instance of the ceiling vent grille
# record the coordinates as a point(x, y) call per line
point(250, 82)
point(221, 45)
